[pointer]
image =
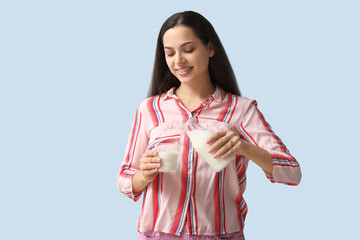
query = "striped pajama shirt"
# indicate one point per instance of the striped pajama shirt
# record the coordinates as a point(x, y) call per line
point(210, 203)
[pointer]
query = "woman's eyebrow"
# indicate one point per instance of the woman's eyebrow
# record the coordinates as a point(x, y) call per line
point(185, 43)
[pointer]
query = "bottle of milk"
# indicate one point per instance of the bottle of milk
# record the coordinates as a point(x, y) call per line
point(198, 136)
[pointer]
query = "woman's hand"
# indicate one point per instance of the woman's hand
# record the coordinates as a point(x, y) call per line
point(226, 142)
point(149, 165)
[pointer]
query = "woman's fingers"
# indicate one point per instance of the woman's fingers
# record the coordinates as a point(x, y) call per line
point(216, 136)
point(151, 153)
point(149, 164)
point(226, 150)
point(220, 140)
point(224, 144)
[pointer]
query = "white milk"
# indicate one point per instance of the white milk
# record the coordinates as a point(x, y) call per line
point(198, 139)
point(168, 161)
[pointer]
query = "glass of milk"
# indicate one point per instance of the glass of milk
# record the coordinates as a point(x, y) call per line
point(198, 136)
point(168, 153)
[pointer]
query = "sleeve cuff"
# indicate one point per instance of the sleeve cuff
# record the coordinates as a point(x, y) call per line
point(286, 171)
point(125, 186)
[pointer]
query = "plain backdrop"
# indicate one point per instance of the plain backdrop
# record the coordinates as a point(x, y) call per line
point(72, 74)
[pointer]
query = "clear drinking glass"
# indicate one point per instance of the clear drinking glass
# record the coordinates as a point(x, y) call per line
point(198, 135)
point(168, 153)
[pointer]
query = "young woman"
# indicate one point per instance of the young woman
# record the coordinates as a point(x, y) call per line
point(193, 78)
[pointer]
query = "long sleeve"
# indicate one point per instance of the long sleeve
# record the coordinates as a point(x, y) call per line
point(136, 147)
point(257, 131)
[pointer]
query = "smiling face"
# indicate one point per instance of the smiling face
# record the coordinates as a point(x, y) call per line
point(186, 55)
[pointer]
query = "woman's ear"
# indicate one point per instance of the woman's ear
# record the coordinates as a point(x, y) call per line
point(211, 50)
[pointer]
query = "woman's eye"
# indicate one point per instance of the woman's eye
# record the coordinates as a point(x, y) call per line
point(169, 54)
point(189, 50)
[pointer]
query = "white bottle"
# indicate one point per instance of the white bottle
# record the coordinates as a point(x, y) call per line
point(198, 136)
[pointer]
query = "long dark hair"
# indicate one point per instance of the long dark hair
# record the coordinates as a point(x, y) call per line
point(221, 72)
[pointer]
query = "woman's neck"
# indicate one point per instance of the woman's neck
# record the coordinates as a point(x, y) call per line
point(192, 96)
point(195, 91)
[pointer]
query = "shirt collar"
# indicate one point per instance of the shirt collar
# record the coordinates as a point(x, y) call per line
point(170, 94)
point(218, 95)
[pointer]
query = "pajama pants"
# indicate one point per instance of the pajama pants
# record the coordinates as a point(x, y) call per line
point(151, 235)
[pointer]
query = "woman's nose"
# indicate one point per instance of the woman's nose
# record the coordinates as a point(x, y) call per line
point(179, 58)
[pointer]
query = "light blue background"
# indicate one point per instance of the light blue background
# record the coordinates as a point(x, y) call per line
point(73, 73)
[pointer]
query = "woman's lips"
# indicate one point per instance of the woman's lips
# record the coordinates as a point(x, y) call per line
point(183, 71)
